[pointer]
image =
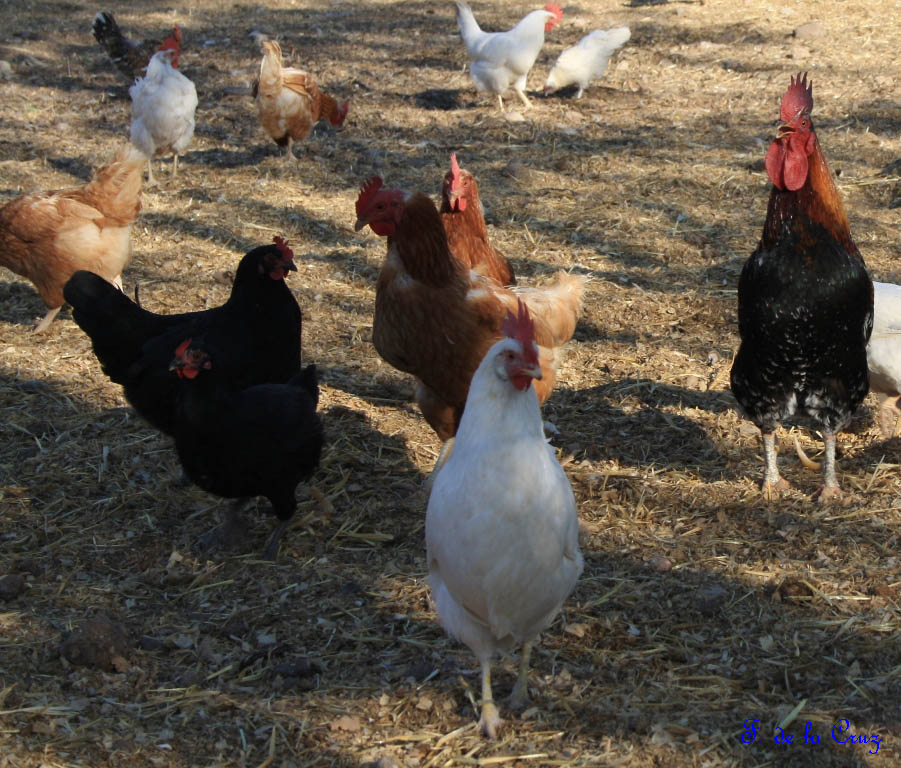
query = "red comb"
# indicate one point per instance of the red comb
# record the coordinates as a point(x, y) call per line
point(455, 173)
point(798, 98)
point(182, 348)
point(367, 192)
point(283, 248)
point(521, 328)
point(557, 11)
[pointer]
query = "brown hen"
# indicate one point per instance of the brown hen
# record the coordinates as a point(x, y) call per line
point(464, 223)
point(289, 102)
point(47, 237)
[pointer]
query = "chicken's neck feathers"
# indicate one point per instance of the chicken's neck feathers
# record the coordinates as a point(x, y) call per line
point(819, 200)
point(420, 243)
point(497, 412)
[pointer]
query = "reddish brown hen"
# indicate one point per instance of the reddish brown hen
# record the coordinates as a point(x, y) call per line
point(433, 322)
point(464, 224)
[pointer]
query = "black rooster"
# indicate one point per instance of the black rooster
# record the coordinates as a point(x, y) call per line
point(805, 300)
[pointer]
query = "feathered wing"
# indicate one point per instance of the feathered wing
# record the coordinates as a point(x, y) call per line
point(163, 107)
point(588, 59)
point(45, 238)
point(884, 348)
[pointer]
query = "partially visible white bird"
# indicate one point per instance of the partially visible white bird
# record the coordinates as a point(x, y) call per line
point(162, 113)
point(501, 526)
point(587, 60)
point(884, 355)
point(501, 60)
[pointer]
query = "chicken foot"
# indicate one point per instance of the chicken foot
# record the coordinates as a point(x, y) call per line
point(773, 483)
point(490, 721)
point(47, 319)
point(831, 490)
point(519, 698)
point(888, 415)
point(525, 99)
point(270, 551)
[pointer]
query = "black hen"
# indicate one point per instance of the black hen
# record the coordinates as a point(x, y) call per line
point(237, 443)
point(257, 333)
point(805, 300)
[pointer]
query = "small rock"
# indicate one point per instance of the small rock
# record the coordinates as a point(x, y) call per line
point(812, 30)
point(149, 643)
point(11, 586)
point(387, 761)
point(661, 563)
point(713, 357)
point(517, 171)
point(424, 704)
point(696, 382)
point(6, 70)
point(98, 643)
point(514, 117)
point(709, 600)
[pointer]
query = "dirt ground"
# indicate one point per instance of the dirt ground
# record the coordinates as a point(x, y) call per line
point(702, 605)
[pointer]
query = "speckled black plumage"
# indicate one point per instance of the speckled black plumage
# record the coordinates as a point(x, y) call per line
point(805, 313)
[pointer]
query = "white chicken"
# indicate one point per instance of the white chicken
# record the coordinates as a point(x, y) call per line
point(587, 60)
point(501, 60)
point(501, 526)
point(162, 115)
point(884, 355)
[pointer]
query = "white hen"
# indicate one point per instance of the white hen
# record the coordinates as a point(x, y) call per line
point(587, 60)
point(162, 114)
point(884, 355)
point(501, 527)
point(501, 60)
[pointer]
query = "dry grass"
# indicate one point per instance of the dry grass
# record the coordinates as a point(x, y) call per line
point(701, 604)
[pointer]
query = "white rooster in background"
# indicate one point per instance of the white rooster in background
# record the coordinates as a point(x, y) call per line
point(884, 355)
point(162, 114)
point(587, 60)
point(501, 527)
point(501, 60)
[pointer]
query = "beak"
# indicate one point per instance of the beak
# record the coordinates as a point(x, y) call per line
point(534, 371)
point(784, 130)
point(174, 365)
point(360, 224)
point(291, 266)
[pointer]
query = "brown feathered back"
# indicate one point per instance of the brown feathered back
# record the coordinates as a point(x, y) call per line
point(47, 237)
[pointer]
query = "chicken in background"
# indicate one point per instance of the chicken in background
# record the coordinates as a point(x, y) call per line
point(464, 224)
point(129, 57)
point(239, 443)
point(502, 60)
point(48, 237)
point(256, 333)
point(587, 60)
point(805, 300)
point(884, 355)
point(289, 102)
point(432, 321)
point(501, 528)
point(162, 114)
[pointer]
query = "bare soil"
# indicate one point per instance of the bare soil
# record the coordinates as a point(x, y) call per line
point(702, 605)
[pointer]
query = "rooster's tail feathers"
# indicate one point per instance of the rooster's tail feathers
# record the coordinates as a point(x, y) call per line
point(105, 28)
